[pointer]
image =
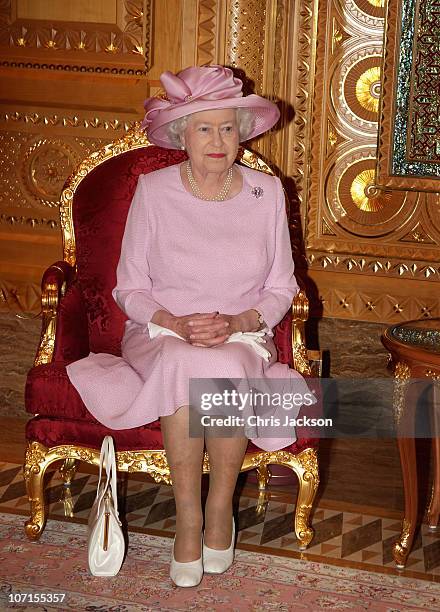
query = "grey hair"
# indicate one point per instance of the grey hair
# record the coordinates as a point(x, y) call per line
point(245, 121)
point(176, 129)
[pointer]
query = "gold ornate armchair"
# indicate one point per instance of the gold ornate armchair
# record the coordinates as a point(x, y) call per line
point(79, 316)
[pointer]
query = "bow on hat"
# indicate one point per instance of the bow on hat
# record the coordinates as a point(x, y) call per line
point(195, 83)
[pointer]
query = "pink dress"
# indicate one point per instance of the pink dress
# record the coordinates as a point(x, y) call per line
point(186, 255)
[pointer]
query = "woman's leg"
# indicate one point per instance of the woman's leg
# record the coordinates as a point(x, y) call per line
point(185, 457)
point(225, 460)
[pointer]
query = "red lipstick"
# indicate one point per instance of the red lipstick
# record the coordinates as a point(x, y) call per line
point(216, 155)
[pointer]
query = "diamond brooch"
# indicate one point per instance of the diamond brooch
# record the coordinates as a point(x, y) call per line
point(257, 192)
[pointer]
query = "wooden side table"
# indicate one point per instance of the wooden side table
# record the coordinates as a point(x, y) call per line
point(414, 347)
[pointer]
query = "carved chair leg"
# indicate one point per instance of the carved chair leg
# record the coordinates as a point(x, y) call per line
point(305, 465)
point(263, 478)
point(67, 471)
point(37, 460)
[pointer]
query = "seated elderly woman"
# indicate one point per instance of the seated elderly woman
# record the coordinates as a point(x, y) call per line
point(205, 273)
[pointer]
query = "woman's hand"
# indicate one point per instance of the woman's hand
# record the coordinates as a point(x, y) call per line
point(199, 329)
point(247, 321)
point(204, 332)
point(207, 329)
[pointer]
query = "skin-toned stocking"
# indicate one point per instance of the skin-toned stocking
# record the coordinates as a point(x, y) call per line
point(225, 460)
point(185, 456)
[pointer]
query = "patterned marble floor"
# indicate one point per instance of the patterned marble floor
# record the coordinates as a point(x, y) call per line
point(359, 539)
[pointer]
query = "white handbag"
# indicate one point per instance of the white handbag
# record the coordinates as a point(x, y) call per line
point(106, 544)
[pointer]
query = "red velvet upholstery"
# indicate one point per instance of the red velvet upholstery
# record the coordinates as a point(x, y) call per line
point(89, 319)
point(49, 393)
point(100, 211)
point(72, 338)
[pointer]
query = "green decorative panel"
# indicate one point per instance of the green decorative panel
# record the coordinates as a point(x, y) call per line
point(416, 137)
point(409, 136)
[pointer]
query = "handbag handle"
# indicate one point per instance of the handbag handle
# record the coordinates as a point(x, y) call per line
point(108, 462)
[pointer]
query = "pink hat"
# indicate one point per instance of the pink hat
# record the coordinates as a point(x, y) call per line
point(201, 88)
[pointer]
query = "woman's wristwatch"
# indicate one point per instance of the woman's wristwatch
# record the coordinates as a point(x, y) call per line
point(260, 319)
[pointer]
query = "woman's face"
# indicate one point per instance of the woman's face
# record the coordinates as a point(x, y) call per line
point(211, 140)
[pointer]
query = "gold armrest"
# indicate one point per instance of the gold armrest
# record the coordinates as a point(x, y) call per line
point(300, 314)
point(53, 287)
point(304, 361)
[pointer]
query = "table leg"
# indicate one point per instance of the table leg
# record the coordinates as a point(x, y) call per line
point(404, 419)
point(434, 506)
point(401, 549)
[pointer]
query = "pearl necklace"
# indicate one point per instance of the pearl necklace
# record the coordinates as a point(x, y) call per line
point(220, 197)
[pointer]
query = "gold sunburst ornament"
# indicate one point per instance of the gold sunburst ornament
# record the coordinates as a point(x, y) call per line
point(378, 3)
point(365, 196)
point(368, 89)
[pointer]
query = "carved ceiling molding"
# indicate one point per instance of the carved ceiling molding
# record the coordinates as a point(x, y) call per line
point(128, 41)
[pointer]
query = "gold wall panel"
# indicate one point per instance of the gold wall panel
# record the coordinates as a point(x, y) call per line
point(168, 37)
point(32, 172)
point(63, 31)
point(209, 23)
point(34, 169)
point(74, 81)
point(257, 43)
point(99, 11)
point(353, 231)
point(245, 40)
point(298, 76)
point(20, 296)
point(379, 300)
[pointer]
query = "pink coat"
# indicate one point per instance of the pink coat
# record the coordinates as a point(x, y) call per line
point(187, 255)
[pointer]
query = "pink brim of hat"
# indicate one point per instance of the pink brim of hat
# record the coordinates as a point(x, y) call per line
point(266, 114)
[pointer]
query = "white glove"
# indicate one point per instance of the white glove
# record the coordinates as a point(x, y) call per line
point(254, 339)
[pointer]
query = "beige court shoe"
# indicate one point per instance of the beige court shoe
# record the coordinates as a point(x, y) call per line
point(218, 561)
point(187, 574)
